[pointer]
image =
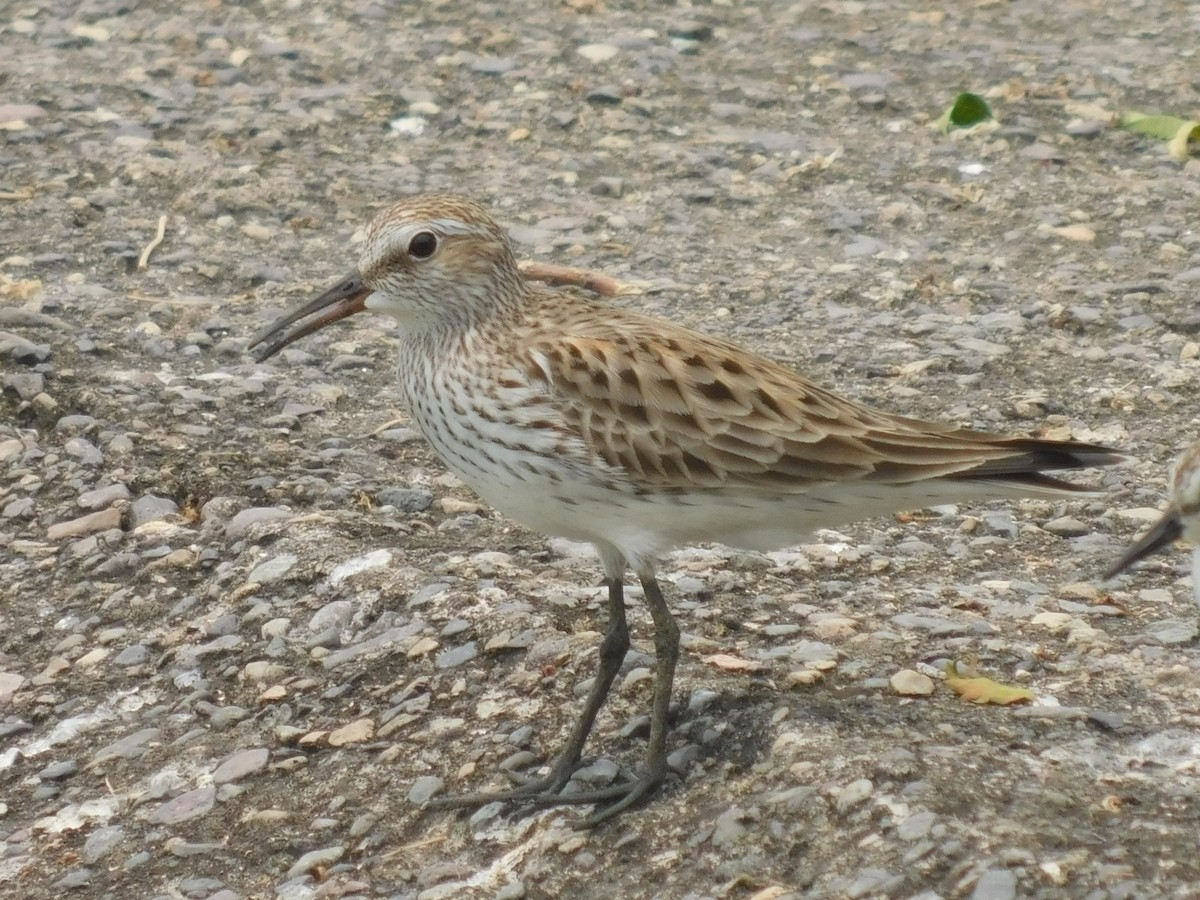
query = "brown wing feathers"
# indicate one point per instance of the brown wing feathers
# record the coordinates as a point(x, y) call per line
point(676, 408)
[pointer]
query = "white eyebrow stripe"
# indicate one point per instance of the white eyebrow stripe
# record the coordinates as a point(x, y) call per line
point(405, 233)
point(457, 226)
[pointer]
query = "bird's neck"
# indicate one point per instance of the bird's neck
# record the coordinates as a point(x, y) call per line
point(467, 331)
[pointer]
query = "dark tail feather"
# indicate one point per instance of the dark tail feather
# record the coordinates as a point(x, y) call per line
point(1164, 532)
point(1032, 457)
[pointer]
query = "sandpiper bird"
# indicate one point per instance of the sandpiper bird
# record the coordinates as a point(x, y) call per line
point(593, 423)
point(1180, 520)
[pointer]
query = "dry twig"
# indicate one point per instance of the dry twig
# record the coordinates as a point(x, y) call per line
point(556, 276)
point(144, 259)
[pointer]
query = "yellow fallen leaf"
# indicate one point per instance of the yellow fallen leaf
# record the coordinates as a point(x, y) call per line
point(984, 690)
point(1178, 146)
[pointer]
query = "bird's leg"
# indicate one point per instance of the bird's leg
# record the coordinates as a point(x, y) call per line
point(612, 653)
point(546, 790)
point(666, 653)
point(654, 771)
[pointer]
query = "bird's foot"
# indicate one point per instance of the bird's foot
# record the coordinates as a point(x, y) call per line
point(529, 790)
point(625, 795)
point(549, 791)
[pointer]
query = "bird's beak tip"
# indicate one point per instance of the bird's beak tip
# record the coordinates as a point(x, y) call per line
point(345, 298)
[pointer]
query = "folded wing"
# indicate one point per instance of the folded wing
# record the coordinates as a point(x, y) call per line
point(676, 409)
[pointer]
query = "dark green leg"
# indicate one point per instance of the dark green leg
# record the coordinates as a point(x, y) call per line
point(666, 651)
point(545, 791)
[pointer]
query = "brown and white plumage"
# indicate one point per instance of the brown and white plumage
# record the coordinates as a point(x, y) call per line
point(595, 423)
point(674, 409)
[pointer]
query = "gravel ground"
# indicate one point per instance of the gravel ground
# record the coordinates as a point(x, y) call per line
point(248, 624)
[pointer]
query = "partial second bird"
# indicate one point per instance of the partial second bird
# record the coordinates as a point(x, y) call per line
point(1181, 519)
point(594, 423)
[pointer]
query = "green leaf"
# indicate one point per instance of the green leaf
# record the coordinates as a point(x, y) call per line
point(1162, 127)
point(966, 111)
point(1175, 131)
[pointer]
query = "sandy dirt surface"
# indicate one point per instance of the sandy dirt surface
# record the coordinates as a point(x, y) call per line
point(248, 623)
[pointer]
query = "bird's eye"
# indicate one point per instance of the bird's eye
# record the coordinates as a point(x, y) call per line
point(423, 245)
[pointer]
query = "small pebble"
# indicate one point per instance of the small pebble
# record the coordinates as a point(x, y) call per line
point(316, 859)
point(424, 788)
point(853, 794)
point(995, 884)
point(241, 765)
point(910, 683)
point(189, 805)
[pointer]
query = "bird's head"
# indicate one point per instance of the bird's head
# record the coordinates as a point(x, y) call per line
point(438, 259)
